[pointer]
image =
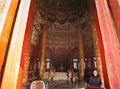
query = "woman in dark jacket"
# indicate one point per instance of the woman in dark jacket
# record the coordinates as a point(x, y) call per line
point(95, 80)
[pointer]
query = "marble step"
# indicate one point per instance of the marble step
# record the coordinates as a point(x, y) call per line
point(61, 76)
point(58, 75)
point(46, 75)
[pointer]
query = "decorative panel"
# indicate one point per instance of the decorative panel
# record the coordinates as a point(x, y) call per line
point(62, 36)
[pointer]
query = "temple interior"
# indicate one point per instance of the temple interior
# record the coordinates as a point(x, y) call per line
point(61, 37)
point(59, 42)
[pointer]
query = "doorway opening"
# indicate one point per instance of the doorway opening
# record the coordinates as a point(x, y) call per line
point(62, 38)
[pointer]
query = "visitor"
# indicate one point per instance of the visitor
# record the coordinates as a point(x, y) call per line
point(95, 80)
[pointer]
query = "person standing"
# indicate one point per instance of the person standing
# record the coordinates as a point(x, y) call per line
point(95, 80)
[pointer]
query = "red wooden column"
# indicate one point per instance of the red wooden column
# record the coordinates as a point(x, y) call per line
point(53, 56)
point(35, 57)
point(24, 47)
point(115, 6)
point(43, 50)
point(81, 51)
point(109, 45)
point(70, 56)
point(95, 42)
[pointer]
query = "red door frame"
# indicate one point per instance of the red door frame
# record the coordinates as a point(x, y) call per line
point(109, 44)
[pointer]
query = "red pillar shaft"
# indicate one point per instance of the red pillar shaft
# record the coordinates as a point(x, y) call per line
point(116, 13)
point(101, 48)
point(19, 83)
point(109, 46)
point(53, 57)
point(70, 57)
point(35, 57)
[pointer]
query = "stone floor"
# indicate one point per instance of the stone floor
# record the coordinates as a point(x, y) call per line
point(60, 84)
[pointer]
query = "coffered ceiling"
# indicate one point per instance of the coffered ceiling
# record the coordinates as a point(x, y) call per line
point(63, 17)
point(62, 11)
